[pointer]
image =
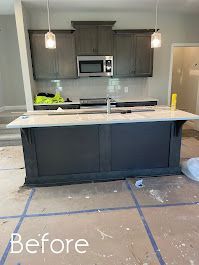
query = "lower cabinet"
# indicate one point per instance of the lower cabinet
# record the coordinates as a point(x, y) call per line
point(56, 106)
point(136, 103)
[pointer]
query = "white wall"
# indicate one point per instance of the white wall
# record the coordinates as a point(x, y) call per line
point(174, 28)
point(11, 83)
point(1, 65)
point(1, 91)
point(185, 78)
point(177, 75)
point(22, 23)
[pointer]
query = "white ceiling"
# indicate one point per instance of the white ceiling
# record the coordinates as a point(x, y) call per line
point(181, 6)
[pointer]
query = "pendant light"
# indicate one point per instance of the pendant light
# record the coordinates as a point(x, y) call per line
point(50, 39)
point(156, 36)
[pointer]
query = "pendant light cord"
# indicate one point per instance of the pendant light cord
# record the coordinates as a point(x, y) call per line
point(48, 10)
point(156, 15)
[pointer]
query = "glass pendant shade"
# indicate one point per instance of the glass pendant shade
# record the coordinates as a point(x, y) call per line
point(156, 40)
point(50, 40)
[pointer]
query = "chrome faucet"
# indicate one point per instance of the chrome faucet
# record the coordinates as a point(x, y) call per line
point(108, 104)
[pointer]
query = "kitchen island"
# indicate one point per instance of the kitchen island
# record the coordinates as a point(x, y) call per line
point(78, 147)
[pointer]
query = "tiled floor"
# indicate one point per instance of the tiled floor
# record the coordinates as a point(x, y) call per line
point(156, 224)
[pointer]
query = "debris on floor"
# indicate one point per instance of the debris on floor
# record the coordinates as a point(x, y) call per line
point(103, 235)
point(156, 194)
point(11, 157)
point(139, 183)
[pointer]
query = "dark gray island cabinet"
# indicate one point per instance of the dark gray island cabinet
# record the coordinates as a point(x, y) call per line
point(98, 150)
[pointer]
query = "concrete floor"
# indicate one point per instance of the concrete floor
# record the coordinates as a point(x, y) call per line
point(156, 224)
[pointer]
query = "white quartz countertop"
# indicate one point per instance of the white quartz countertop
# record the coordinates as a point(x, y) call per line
point(54, 118)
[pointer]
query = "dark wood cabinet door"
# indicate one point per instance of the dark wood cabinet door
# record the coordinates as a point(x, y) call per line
point(67, 150)
point(65, 56)
point(143, 55)
point(140, 145)
point(123, 55)
point(105, 40)
point(59, 63)
point(86, 40)
point(43, 60)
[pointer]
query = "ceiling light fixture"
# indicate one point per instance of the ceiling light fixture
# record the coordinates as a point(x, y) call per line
point(50, 39)
point(156, 36)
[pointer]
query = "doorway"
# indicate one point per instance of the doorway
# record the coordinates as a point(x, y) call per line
point(184, 78)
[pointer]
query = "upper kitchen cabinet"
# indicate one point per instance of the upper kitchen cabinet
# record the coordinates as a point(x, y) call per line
point(65, 54)
point(59, 63)
point(43, 60)
point(143, 55)
point(86, 40)
point(133, 56)
point(123, 55)
point(94, 37)
point(105, 40)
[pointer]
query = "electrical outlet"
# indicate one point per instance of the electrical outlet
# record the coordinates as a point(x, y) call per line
point(126, 89)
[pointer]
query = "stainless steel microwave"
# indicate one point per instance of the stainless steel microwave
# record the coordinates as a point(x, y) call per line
point(95, 65)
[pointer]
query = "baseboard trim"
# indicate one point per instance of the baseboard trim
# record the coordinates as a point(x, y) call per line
point(18, 107)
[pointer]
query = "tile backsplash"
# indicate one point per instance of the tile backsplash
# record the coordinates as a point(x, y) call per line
point(98, 87)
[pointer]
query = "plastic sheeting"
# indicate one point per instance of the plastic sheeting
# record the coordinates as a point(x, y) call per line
point(190, 168)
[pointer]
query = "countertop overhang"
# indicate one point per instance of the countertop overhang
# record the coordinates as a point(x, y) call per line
point(56, 119)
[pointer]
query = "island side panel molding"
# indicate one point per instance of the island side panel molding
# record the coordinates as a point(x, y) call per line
point(175, 143)
point(99, 176)
point(141, 146)
point(77, 154)
point(105, 147)
point(30, 152)
point(67, 150)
